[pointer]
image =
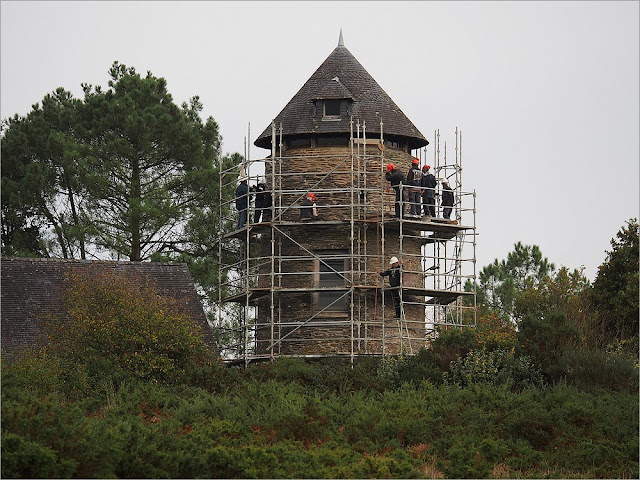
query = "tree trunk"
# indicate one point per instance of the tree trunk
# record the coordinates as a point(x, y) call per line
point(134, 204)
point(74, 214)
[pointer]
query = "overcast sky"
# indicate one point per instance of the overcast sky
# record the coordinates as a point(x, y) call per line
point(546, 94)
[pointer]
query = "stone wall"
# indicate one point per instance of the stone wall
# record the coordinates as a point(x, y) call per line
point(329, 172)
point(334, 332)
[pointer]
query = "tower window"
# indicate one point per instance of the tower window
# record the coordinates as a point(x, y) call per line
point(300, 143)
point(324, 141)
point(330, 274)
point(331, 108)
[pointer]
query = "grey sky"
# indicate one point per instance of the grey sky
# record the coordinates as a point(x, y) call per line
point(546, 94)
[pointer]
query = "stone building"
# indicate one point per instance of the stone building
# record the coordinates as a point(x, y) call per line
point(33, 293)
point(312, 287)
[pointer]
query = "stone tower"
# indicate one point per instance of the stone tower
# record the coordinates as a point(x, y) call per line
point(311, 287)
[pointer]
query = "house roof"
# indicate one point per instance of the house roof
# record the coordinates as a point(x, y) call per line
point(342, 76)
point(33, 292)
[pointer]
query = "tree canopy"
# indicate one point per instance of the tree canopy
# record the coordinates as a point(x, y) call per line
point(615, 289)
point(499, 281)
point(122, 173)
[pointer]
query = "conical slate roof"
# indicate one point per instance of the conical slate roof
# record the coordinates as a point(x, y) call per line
point(341, 76)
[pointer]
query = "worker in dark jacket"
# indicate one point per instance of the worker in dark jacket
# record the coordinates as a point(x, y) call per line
point(396, 178)
point(260, 200)
point(395, 279)
point(266, 205)
point(447, 198)
point(242, 201)
point(429, 184)
point(414, 182)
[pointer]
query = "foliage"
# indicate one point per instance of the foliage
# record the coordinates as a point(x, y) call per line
point(23, 458)
point(268, 422)
point(131, 391)
point(550, 316)
point(615, 289)
point(497, 367)
point(545, 338)
point(451, 344)
point(120, 323)
point(499, 281)
point(151, 163)
point(42, 211)
point(492, 332)
point(411, 369)
point(124, 172)
point(592, 370)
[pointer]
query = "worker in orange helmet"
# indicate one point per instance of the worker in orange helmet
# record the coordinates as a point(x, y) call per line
point(395, 177)
point(414, 181)
point(309, 210)
point(429, 184)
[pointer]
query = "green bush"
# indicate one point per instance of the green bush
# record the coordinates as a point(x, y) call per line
point(119, 322)
point(413, 369)
point(451, 345)
point(545, 337)
point(497, 367)
point(591, 370)
point(297, 420)
point(22, 458)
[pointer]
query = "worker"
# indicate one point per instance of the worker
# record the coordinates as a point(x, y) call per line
point(309, 210)
point(266, 205)
point(395, 177)
point(414, 180)
point(242, 201)
point(447, 198)
point(394, 273)
point(429, 184)
point(260, 200)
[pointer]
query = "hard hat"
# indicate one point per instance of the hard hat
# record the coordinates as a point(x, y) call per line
point(393, 260)
point(390, 166)
point(444, 180)
point(311, 195)
point(426, 167)
point(242, 179)
point(416, 161)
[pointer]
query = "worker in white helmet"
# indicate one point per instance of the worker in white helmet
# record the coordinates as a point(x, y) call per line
point(447, 198)
point(394, 273)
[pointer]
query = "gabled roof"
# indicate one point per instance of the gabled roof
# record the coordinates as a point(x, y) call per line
point(33, 292)
point(370, 103)
point(333, 90)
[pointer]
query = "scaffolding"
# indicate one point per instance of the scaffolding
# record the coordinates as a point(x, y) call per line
point(289, 286)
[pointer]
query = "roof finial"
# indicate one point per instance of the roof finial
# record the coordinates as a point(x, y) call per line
point(341, 40)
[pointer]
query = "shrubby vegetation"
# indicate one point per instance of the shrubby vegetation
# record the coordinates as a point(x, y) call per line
point(294, 418)
point(546, 391)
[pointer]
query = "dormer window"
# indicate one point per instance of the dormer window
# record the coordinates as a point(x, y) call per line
point(331, 109)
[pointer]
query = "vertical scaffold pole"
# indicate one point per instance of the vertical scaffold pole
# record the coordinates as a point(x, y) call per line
point(280, 145)
point(381, 255)
point(273, 240)
point(351, 248)
point(247, 172)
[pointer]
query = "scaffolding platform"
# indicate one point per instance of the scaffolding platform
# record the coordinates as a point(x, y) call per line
point(442, 229)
